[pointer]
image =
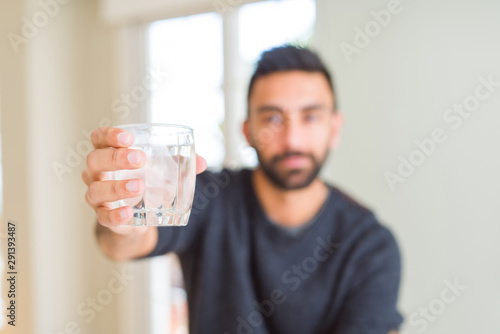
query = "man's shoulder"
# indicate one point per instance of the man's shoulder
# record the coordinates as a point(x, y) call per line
point(347, 202)
point(221, 185)
point(222, 177)
point(358, 220)
point(349, 208)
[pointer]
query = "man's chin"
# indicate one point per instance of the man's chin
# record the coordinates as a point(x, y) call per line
point(293, 179)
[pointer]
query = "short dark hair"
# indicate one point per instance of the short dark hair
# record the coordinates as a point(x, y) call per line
point(290, 58)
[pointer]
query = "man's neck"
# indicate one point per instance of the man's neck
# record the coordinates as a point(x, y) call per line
point(290, 208)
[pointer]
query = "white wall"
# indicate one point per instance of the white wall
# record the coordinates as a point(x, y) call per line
point(397, 90)
point(53, 90)
point(14, 150)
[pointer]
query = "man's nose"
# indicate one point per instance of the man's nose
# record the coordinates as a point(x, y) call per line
point(294, 135)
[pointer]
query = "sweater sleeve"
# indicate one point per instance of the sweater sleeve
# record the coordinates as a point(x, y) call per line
point(370, 306)
point(179, 239)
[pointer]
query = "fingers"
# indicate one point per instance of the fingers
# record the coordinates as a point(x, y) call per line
point(111, 159)
point(111, 137)
point(112, 219)
point(201, 164)
point(85, 177)
point(111, 191)
point(110, 153)
point(116, 217)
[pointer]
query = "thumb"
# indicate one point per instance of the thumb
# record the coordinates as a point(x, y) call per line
point(201, 164)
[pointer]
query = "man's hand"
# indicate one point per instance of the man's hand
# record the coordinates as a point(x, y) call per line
point(111, 153)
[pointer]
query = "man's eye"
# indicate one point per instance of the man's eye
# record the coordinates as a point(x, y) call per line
point(311, 117)
point(273, 119)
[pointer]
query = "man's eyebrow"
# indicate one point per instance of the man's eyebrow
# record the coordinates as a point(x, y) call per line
point(273, 108)
point(269, 108)
point(312, 107)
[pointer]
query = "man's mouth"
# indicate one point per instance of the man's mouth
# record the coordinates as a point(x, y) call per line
point(295, 161)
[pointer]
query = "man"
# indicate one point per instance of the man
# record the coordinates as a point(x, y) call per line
point(270, 250)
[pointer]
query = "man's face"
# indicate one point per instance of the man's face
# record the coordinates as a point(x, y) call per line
point(292, 126)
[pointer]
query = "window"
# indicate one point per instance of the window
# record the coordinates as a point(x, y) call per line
point(264, 25)
point(190, 50)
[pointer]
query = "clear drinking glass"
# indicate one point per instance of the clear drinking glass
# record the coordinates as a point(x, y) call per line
point(169, 175)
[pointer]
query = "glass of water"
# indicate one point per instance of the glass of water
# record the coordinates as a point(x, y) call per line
point(169, 175)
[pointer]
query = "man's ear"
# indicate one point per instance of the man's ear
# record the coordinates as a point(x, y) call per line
point(246, 132)
point(336, 129)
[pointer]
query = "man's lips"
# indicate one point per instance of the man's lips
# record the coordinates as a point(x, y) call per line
point(294, 161)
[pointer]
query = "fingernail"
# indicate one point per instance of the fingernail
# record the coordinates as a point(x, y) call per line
point(124, 138)
point(134, 157)
point(132, 186)
point(124, 213)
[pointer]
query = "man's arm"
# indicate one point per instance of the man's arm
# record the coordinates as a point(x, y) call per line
point(119, 247)
point(370, 306)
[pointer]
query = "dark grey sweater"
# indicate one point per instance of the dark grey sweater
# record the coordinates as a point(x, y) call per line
point(339, 274)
